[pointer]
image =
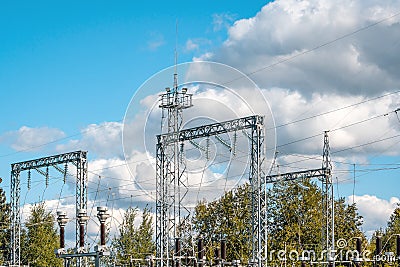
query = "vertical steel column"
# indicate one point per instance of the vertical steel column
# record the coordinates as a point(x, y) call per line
point(15, 216)
point(184, 225)
point(328, 211)
point(170, 175)
point(258, 190)
point(160, 204)
point(81, 192)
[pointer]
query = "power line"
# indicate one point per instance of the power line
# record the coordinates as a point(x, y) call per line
point(320, 46)
point(248, 74)
point(335, 110)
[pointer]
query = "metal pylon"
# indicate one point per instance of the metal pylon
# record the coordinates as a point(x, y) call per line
point(258, 195)
point(78, 158)
point(328, 211)
point(324, 174)
point(171, 182)
point(164, 202)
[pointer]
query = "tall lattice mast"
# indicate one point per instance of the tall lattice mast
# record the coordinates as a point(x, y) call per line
point(328, 236)
point(324, 174)
point(171, 185)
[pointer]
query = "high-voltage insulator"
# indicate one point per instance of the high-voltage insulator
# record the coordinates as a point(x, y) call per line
point(208, 148)
point(62, 220)
point(181, 154)
point(47, 176)
point(378, 245)
point(81, 253)
point(358, 260)
point(217, 255)
point(102, 215)
point(65, 172)
point(29, 179)
point(223, 249)
point(234, 143)
point(358, 245)
point(82, 218)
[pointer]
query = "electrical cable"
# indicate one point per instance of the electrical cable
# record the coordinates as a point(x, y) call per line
point(109, 188)
point(318, 46)
point(248, 74)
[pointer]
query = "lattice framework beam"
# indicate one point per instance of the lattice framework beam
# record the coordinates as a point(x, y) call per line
point(78, 158)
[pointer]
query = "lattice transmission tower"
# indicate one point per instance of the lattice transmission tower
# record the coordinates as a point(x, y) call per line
point(328, 202)
point(172, 180)
point(171, 170)
point(58, 162)
point(323, 174)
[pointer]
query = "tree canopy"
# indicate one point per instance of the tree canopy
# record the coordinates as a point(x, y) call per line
point(41, 239)
point(295, 219)
point(392, 229)
point(134, 242)
point(5, 227)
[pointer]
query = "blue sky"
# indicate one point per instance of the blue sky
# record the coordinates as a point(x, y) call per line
point(65, 54)
point(68, 66)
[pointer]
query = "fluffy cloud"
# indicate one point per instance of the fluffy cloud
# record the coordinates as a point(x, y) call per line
point(361, 63)
point(378, 216)
point(155, 40)
point(222, 21)
point(32, 139)
point(103, 140)
point(123, 183)
point(336, 75)
point(349, 127)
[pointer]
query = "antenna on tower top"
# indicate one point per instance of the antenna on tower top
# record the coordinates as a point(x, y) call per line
point(176, 58)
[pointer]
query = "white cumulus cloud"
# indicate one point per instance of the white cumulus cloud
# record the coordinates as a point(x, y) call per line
point(103, 140)
point(375, 211)
point(32, 138)
point(361, 63)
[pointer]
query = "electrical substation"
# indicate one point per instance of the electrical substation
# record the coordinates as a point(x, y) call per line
point(174, 248)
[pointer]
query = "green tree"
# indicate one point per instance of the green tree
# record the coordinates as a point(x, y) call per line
point(295, 219)
point(228, 218)
point(348, 223)
point(5, 227)
point(41, 238)
point(392, 229)
point(134, 241)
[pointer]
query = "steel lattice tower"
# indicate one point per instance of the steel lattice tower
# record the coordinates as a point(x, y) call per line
point(258, 194)
point(324, 174)
point(78, 158)
point(171, 169)
point(328, 211)
point(167, 226)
